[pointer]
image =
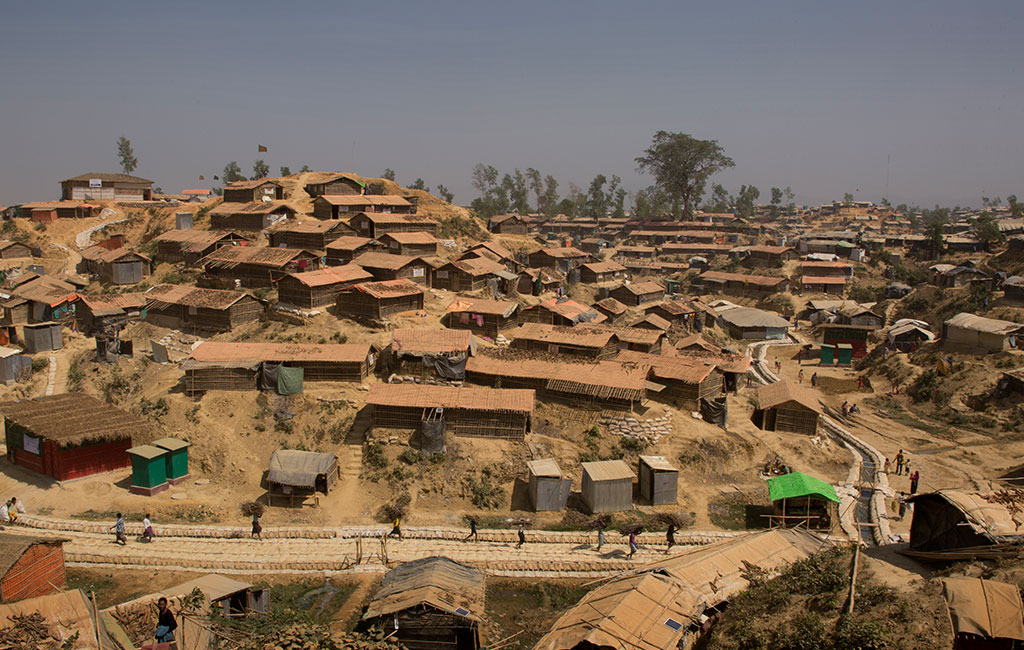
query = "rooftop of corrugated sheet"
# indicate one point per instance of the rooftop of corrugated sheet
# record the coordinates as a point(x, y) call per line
point(612, 306)
point(348, 243)
point(639, 335)
point(430, 341)
point(687, 370)
point(411, 237)
point(260, 255)
point(482, 306)
point(751, 317)
point(332, 275)
point(253, 207)
point(229, 351)
point(367, 199)
point(178, 294)
point(389, 288)
point(478, 266)
point(73, 418)
point(602, 374)
point(425, 396)
point(721, 276)
point(45, 289)
point(495, 248)
point(100, 254)
point(604, 267)
point(674, 307)
point(130, 299)
point(579, 336)
point(608, 470)
point(385, 261)
point(784, 391)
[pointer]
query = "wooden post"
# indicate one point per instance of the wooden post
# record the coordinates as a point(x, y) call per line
point(359, 549)
point(853, 579)
point(96, 618)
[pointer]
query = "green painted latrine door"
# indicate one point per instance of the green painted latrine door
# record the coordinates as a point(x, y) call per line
point(149, 466)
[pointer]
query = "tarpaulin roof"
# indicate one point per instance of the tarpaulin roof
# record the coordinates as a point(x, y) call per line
point(435, 581)
point(987, 608)
point(299, 468)
point(798, 484)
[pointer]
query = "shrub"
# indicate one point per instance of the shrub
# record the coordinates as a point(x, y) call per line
point(374, 456)
point(42, 363)
point(410, 456)
point(924, 386)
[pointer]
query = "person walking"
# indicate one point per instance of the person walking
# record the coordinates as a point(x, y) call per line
point(147, 529)
point(814, 380)
point(800, 376)
point(522, 536)
point(118, 527)
point(903, 505)
point(888, 466)
point(670, 537)
point(632, 544)
point(899, 462)
point(257, 529)
point(396, 530)
point(165, 622)
point(472, 531)
point(600, 539)
point(914, 478)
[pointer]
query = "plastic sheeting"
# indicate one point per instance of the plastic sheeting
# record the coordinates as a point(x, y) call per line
point(433, 437)
point(453, 367)
point(715, 412)
point(281, 379)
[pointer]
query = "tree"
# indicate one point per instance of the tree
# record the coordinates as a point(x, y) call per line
point(596, 201)
point(285, 171)
point(127, 155)
point(232, 173)
point(388, 174)
point(1016, 208)
point(445, 195)
point(305, 168)
point(517, 190)
point(719, 199)
point(681, 166)
point(933, 236)
point(536, 184)
point(418, 184)
point(650, 202)
point(986, 229)
point(745, 201)
point(790, 206)
point(616, 197)
point(848, 199)
point(260, 169)
point(548, 202)
point(493, 197)
point(776, 201)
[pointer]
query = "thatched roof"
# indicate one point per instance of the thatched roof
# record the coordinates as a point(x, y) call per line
point(433, 581)
point(73, 419)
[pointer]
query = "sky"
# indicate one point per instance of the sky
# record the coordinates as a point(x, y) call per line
point(917, 101)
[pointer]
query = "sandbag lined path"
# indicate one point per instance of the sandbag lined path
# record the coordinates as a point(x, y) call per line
point(310, 549)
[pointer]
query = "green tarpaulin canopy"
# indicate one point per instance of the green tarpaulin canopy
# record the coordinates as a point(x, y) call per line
point(289, 380)
point(797, 484)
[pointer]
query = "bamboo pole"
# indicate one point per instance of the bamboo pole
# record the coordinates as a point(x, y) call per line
point(96, 619)
point(853, 579)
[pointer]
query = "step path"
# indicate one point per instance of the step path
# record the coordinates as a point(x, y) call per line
point(310, 549)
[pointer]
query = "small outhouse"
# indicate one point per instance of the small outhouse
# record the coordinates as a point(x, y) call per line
point(149, 470)
point(659, 481)
point(844, 354)
point(41, 337)
point(828, 354)
point(607, 486)
point(548, 490)
point(176, 458)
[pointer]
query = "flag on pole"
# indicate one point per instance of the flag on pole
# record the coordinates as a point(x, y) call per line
point(260, 148)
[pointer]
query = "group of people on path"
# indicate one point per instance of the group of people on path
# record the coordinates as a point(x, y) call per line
point(119, 530)
point(9, 511)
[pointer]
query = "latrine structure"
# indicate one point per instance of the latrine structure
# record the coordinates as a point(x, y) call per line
point(479, 412)
point(549, 491)
point(659, 480)
point(378, 301)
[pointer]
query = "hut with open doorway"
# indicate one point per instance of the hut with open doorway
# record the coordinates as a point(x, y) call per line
point(960, 525)
point(70, 435)
point(294, 475)
point(799, 500)
point(549, 490)
point(477, 412)
point(607, 486)
point(784, 406)
point(430, 603)
point(659, 481)
point(378, 301)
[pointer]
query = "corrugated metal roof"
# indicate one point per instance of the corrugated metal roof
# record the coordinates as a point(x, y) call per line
point(544, 467)
point(608, 470)
point(658, 463)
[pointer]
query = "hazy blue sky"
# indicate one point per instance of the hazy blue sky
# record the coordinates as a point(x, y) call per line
point(813, 95)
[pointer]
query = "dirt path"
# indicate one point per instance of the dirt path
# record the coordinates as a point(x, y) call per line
point(351, 605)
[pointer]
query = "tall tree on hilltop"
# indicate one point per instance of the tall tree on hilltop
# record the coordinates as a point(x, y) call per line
point(745, 201)
point(285, 170)
point(127, 155)
point(445, 195)
point(986, 229)
point(260, 169)
point(232, 173)
point(548, 203)
point(596, 201)
point(775, 202)
point(681, 166)
point(418, 184)
point(388, 174)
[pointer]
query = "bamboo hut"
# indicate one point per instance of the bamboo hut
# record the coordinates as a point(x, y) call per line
point(310, 234)
point(784, 406)
point(256, 216)
point(384, 266)
point(581, 341)
point(253, 266)
point(200, 311)
point(638, 293)
point(478, 412)
point(482, 317)
point(562, 311)
point(319, 288)
point(256, 190)
point(346, 248)
point(191, 245)
point(430, 603)
point(378, 301)
point(611, 309)
point(475, 274)
point(410, 243)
